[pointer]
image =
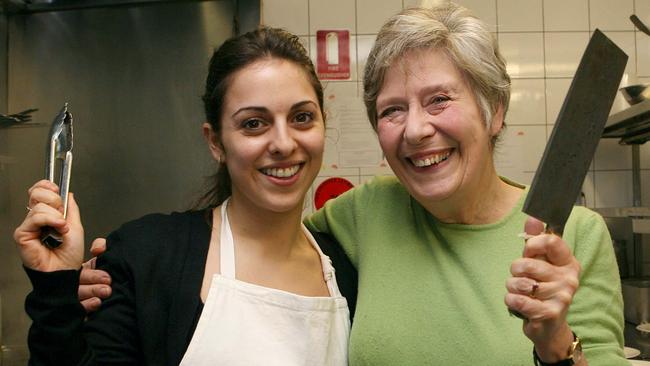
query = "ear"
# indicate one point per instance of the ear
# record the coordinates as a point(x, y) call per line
point(497, 122)
point(216, 149)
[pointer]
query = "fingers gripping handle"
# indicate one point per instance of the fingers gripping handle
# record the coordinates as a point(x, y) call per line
point(49, 236)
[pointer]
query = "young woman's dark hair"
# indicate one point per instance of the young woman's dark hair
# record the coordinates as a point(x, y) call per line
point(233, 55)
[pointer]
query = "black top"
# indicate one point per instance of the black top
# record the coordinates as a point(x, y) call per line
point(157, 264)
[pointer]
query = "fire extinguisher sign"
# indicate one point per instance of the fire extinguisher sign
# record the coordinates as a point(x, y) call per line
point(333, 54)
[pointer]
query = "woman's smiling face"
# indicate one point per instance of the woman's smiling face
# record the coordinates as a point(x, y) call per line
point(431, 129)
point(272, 134)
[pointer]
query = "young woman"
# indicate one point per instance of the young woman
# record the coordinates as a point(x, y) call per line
point(241, 282)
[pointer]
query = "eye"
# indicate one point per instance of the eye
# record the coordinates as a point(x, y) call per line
point(388, 112)
point(252, 124)
point(303, 117)
point(438, 103)
point(438, 99)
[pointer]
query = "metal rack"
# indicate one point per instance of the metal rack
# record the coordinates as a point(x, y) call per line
point(631, 225)
point(632, 127)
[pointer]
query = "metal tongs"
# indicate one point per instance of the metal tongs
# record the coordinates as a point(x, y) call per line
point(59, 150)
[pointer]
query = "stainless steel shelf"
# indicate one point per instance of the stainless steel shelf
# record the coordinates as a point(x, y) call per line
point(631, 125)
point(23, 125)
point(624, 211)
point(619, 225)
point(638, 218)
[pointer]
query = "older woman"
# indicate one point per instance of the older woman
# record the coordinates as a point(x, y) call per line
point(434, 245)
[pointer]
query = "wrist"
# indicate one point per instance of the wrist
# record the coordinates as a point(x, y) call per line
point(61, 283)
point(555, 347)
point(571, 356)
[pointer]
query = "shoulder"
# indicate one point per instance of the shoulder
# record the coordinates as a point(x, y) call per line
point(583, 218)
point(158, 224)
point(587, 233)
point(157, 233)
point(384, 183)
point(387, 187)
point(328, 244)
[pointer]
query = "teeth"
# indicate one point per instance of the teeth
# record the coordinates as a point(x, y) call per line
point(281, 172)
point(435, 159)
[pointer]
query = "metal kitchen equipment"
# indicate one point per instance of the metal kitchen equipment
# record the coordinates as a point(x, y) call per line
point(636, 297)
point(630, 226)
point(630, 230)
point(636, 93)
point(16, 118)
point(639, 24)
point(59, 150)
point(576, 133)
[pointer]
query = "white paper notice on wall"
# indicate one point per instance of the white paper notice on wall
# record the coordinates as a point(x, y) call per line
point(350, 141)
point(333, 54)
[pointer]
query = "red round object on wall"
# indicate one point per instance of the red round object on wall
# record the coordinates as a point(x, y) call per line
point(330, 188)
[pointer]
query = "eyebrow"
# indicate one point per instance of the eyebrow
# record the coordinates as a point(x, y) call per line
point(264, 109)
point(447, 86)
point(450, 87)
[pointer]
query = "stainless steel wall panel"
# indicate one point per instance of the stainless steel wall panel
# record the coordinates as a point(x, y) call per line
point(133, 77)
point(4, 187)
point(248, 15)
point(3, 62)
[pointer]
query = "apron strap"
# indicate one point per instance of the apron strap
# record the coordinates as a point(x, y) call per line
point(226, 245)
point(326, 264)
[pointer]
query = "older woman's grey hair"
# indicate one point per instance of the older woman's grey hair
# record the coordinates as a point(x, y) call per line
point(464, 38)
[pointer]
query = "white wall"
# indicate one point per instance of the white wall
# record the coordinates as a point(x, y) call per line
point(542, 41)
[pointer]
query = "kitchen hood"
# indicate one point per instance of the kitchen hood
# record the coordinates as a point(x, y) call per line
point(247, 13)
point(35, 6)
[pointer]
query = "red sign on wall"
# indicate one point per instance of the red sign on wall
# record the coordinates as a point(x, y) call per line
point(331, 188)
point(333, 54)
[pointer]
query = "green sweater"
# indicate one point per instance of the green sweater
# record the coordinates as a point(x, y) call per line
point(433, 294)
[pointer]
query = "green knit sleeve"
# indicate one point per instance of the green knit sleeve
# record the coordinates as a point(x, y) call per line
point(596, 314)
point(340, 217)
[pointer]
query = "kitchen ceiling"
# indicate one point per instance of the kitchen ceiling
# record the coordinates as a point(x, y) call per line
point(33, 6)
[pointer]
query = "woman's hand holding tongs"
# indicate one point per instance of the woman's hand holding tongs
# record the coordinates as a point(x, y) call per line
point(45, 208)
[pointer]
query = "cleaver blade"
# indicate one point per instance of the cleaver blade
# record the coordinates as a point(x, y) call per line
point(576, 133)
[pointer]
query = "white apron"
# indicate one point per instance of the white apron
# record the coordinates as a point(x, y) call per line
point(247, 324)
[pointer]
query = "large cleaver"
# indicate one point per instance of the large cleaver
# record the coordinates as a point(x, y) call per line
point(574, 139)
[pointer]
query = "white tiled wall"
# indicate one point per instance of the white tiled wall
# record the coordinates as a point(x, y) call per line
point(519, 15)
point(542, 41)
point(563, 16)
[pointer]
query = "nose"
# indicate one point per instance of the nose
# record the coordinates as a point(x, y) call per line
point(419, 125)
point(282, 141)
